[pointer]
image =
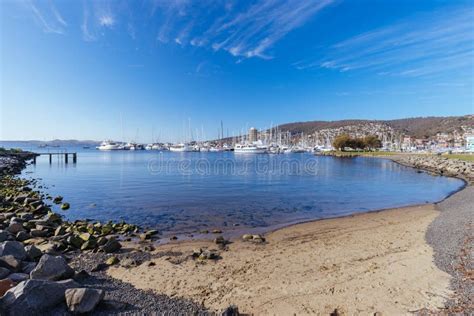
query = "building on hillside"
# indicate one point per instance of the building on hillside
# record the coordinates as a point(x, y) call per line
point(253, 134)
point(470, 143)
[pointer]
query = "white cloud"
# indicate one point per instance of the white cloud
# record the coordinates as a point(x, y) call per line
point(423, 45)
point(107, 21)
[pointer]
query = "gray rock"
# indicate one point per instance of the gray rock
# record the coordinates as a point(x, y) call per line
point(33, 252)
point(20, 198)
point(14, 248)
point(52, 268)
point(112, 246)
point(18, 277)
point(14, 228)
point(39, 233)
point(34, 296)
point(26, 216)
point(10, 262)
point(83, 300)
point(3, 235)
point(4, 272)
point(27, 267)
point(22, 236)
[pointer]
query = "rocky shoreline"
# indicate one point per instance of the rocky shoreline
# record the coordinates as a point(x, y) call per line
point(48, 265)
point(438, 165)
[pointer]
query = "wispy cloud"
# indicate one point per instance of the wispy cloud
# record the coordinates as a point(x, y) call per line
point(86, 33)
point(423, 45)
point(48, 17)
point(107, 20)
point(248, 31)
point(244, 29)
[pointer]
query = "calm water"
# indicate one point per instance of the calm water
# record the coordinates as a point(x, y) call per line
point(185, 192)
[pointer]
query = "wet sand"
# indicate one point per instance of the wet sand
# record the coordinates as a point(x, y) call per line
point(360, 264)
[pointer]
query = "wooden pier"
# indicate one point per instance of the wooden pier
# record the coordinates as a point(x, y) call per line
point(59, 154)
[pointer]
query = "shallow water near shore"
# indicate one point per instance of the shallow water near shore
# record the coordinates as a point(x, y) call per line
point(181, 193)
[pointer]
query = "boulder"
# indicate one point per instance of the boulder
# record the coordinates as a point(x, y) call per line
point(18, 277)
point(39, 233)
point(111, 246)
point(3, 235)
point(60, 230)
point(20, 198)
point(83, 300)
point(58, 199)
point(10, 262)
point(22, 236)
point(27, 267)
point(247, 237)
point(221, 241)
point(35, 296)
point(112, 260)
point(32, 252)
point(52, 268)
point(52, 218)
point(4, 272)
point(90, 244)
point(75, 241)
point(15, 228)
point(14, 248)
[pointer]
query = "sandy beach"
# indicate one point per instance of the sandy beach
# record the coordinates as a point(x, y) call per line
point(361, 264)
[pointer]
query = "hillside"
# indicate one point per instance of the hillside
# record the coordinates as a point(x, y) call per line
point(419, 127)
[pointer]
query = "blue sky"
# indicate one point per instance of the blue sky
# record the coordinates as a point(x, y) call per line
point(103, 69)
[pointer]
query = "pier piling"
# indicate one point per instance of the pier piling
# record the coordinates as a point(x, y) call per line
point(59, 154)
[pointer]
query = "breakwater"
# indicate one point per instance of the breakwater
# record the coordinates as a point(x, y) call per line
point(439, 165)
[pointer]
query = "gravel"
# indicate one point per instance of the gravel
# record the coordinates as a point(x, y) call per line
point(451, 235)
point(122, 298)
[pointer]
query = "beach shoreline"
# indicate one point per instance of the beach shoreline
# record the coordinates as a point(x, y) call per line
point(320, 261)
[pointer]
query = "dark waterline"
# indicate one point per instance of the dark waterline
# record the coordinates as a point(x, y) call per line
point(187, 192)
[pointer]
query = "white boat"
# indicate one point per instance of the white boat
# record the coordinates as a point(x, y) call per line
point(149, 147)
point(216, 149)
point(294, 150)
point(156, 147)
point(133, 146)
point(249, 149)
point(109, 145)
point(181, 148)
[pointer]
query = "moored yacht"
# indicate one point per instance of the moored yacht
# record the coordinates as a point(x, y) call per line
point(249, 149)
point(181, 147)
point(109, 145)
point(156, 147)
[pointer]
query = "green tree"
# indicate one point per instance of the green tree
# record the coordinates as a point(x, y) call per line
point(372, 142)
point(341, 141)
